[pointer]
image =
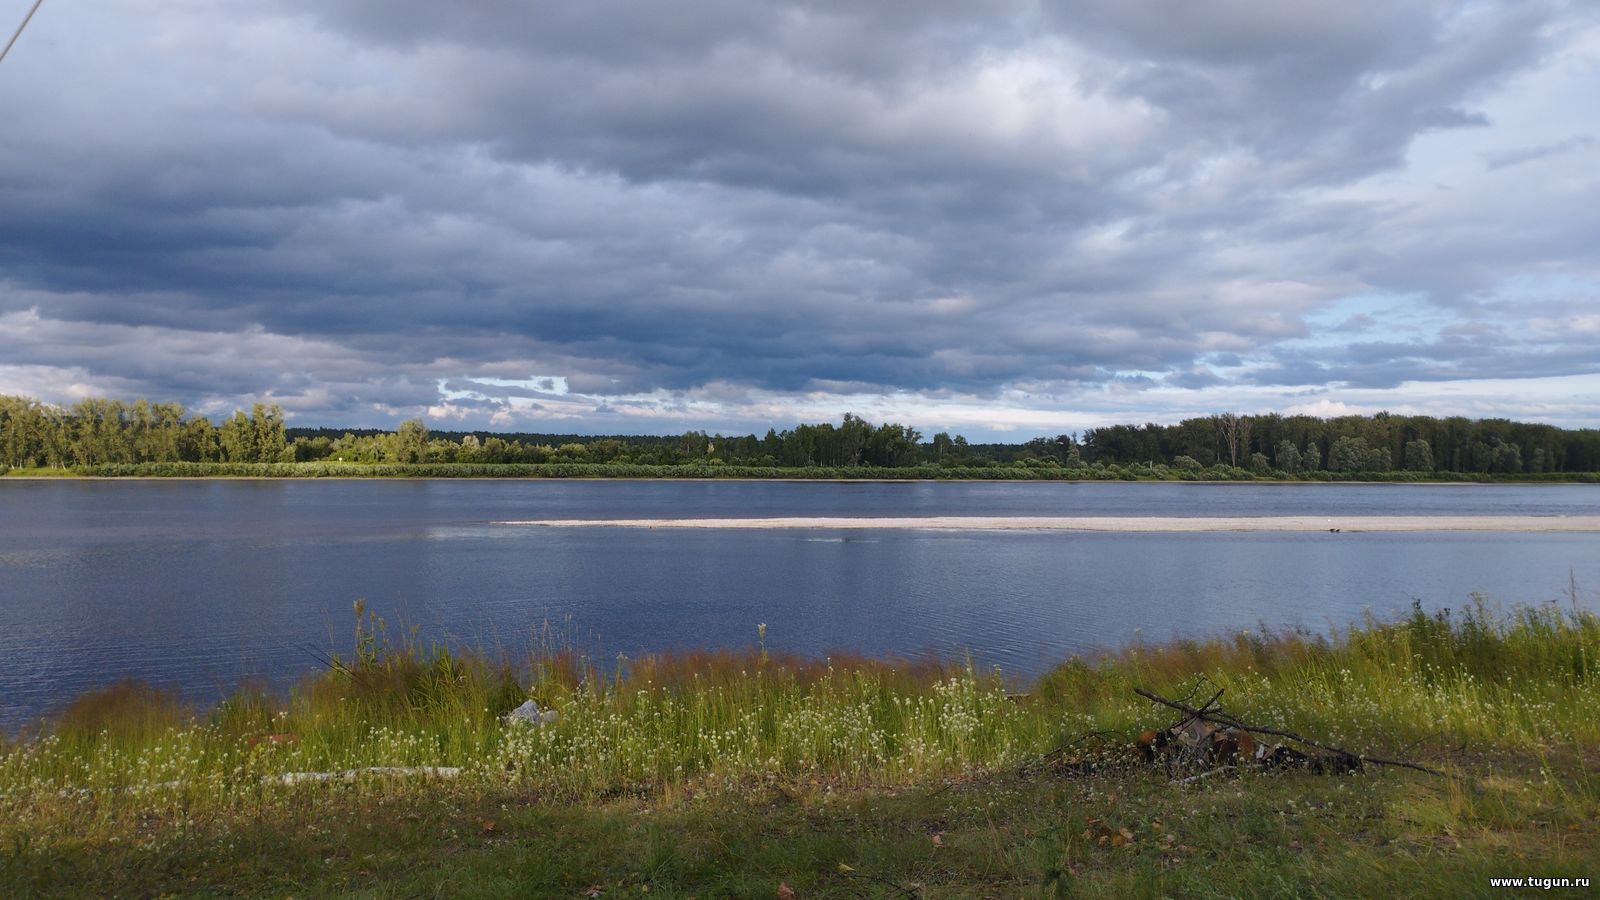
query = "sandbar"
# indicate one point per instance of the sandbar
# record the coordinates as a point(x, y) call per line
point(1339, 524)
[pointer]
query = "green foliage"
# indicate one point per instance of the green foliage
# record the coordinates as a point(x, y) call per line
point(97, 432)
point(1455, 445)
point(1288, 457)
point(1349, 454)
point(411, 442)
point(257, 438)
point(1419, 456)
point(31, 433)
point(107, 436)
point(1186, 464)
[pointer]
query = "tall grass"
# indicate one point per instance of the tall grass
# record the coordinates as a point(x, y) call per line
point(1527, 677)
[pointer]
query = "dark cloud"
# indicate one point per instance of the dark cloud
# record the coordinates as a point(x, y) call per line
point(726, 209)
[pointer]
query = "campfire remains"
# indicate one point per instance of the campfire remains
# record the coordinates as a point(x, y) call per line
point(1208, 740)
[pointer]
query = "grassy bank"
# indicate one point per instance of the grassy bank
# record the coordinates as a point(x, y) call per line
point(730, 773)
point(1007, 472)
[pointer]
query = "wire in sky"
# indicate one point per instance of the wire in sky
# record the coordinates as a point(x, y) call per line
point(25, 20)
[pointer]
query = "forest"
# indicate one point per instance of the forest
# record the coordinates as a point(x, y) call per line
point(97, 433)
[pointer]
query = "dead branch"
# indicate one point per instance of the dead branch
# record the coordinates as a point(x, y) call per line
point(1222, 719)
point(1049, 757)
point(1207, 774)
point(1209, 703)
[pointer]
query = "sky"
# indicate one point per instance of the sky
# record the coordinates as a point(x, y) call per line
point(1002, 219)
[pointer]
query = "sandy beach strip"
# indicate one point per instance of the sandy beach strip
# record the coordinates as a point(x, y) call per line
point(1110, 523)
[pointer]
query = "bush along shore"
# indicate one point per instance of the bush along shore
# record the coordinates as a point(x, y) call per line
point(394, 772)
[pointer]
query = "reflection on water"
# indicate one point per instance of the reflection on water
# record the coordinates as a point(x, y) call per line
point(196, 584)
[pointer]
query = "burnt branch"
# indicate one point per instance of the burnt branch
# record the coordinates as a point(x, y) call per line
point(1203, 713)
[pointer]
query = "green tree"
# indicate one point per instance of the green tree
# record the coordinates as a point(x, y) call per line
point(198, 441)
point(694, 445)
point(1311, 457)
point(496, 450)
point(238, 440)
point(1508, 459)
point(100, 433)
point(270, 442)
point(580, 453)
point(854, 435)
point(1418, 456)
point(892, 445)
point(1348, 454)
point(31, 433)
point(155, 431)
point(1288, 457)
point(1378, 460)
point(607, 450)
point(411, 442)
point(1480, 457)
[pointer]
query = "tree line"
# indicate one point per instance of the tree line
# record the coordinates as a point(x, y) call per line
point(97, 431)
point(1384, 442)
point(104, 432)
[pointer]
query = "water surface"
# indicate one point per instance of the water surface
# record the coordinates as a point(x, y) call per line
point(196, 584)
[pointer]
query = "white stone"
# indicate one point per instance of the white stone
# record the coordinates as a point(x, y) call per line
point(529, 713)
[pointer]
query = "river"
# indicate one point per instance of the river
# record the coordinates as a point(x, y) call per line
point(197, 584)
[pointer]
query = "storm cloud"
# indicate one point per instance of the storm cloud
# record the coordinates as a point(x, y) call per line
point(647, 217)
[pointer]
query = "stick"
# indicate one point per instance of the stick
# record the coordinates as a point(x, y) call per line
point(1193, 778)
point(850, 872)
point(1221, 719)
point(25, 20)
point(332, 662)
point(1207, 705)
